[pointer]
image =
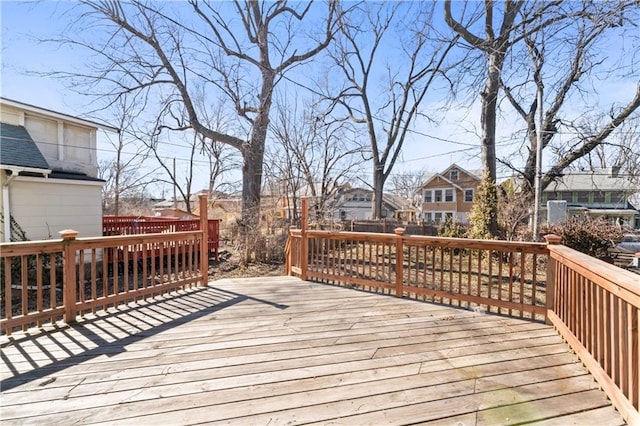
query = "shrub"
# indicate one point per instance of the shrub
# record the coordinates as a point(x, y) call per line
point(452, 228)
point(483, 212)
point(592, 237)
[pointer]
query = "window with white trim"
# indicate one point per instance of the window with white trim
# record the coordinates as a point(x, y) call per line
point(468, 195)
point(448, 195)
point(437, 217)
point(453, 174)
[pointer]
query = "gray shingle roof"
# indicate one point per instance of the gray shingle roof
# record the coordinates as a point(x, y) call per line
point(17, 148)
point(600, 179)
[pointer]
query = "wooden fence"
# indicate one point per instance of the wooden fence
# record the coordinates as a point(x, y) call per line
point(592, 304)
point(46, 281)
point(135, 225)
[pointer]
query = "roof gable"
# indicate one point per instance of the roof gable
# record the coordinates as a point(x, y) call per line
point(17, 148)
point(443, 175)
point(438, 175)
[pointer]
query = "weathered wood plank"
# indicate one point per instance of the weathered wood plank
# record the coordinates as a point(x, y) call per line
point(233, 353)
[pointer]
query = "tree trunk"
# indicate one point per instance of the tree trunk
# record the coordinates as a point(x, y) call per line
point(488, 120)
point(378, 187)
point(253, 159)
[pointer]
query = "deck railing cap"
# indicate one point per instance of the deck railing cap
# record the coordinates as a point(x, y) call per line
point(68, 234)
point(553, 239)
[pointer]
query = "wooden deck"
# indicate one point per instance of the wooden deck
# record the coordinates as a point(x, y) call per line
point(282, 351)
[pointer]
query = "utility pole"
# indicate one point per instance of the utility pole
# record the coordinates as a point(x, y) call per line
point(175, 179)
point(538, 176)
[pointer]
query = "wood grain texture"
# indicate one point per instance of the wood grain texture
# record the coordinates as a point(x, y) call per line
point(278, 350)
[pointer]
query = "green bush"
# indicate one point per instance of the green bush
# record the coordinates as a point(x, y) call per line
point(452, 229)
point(592, 237)
point(484, 210)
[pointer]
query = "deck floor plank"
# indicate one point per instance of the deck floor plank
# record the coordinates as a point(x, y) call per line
point(280, 351)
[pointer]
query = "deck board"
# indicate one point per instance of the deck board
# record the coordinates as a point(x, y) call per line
point(280, 351)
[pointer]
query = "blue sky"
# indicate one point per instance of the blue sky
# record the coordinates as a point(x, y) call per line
point(22, 55)
point(24, 23)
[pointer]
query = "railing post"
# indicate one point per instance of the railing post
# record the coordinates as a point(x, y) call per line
point(204, 240)
point(69, 275)
point(399, 261)
point(304, 245)
point(288, 261)
point(551, 239)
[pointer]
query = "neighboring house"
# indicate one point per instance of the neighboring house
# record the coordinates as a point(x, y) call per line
point(48, 172)
point(172, 213)
point(449, 193)
point(356, 204)
point(597, 193)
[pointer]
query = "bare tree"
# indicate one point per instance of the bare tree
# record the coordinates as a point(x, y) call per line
point(387, 110)
point(180, 178)
point(312, 154)
point(565, 60)
point(500, 35)
point(125, 175)
point(169, 51)
point(407, 184)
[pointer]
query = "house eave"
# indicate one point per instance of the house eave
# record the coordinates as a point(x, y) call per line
point(16, 170)
point(58, 115)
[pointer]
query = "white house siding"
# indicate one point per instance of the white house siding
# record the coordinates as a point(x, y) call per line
point(79, 150)
point(3, 179)
point(43, 207)
point(44, 133)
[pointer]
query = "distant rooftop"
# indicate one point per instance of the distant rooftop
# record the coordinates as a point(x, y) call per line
point(599, 179)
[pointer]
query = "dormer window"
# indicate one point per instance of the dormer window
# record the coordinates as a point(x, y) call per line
point(453, 175)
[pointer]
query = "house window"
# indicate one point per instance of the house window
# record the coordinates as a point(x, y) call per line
point(468, 195)
point(566, 196)
point(437, 217)
point(427, 197)
point(618, 198)
point(598, 196)
point(437, 195)
point(343, 215)
point(453, 175)
point(449, 216)
point(583, 197)
point(448, 195)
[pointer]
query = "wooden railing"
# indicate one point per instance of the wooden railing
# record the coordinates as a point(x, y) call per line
point(500, 277)
point(595, 308)
point(593, 305)
point(135, 225)
point(46, 281)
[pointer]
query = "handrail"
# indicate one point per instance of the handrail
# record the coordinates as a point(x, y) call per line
point(498, 276)
point(595, 306)
point(44, 281)
point(596, 309)
point(134, 225)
